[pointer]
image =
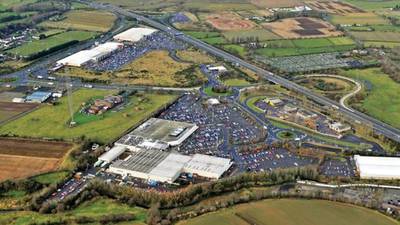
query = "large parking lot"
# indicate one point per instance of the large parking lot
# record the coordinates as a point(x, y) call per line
point(219, 125)
point(272, 158)
point(338, 168)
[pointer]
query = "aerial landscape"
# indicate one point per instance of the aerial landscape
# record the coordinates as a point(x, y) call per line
point(200, 112)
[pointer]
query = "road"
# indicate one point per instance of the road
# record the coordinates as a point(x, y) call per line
point(379, 126)
point(347, 96)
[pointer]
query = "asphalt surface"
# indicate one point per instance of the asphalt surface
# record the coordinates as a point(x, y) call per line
point(379, 126)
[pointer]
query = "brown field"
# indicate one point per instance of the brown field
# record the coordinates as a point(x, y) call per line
point(302, 28)
point(9, 110)
point(24, 158)
point(226, 21)
point(276, 3)
point(339, 8)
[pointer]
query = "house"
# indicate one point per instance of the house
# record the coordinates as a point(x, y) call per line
point(273, 101)
point(339, 127)
point(304, 114)
point(289, 108)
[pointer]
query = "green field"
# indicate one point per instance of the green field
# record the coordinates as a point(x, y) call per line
point(372, 5)
point(236, 49)
point(51, 121)
point(51, 178)
point(95, 209)
point(261, 35)
point(36, 46)
point(383, 101)
point(378, 36)
point(210, 92)
point(236, 82)
point(293, 212)
point(98, 21)
point(368, 18)
point(278, 48)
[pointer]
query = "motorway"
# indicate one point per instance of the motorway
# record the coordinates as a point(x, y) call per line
point(379, 126)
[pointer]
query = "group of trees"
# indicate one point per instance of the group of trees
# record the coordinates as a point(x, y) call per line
point(391, 64)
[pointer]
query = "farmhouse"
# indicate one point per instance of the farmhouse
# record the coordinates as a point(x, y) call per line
point(378, 167)
point(92, 55)
point(134, 34)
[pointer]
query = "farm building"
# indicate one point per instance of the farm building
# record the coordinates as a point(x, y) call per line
point(38, 97)
point(134, 34)
point(378, 167)
point(154, 165)
point(92, 55)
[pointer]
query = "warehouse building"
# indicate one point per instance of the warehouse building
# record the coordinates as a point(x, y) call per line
point(38, 97)
point(378, 167)
point(159, 166)
point(95, 54)
point(112, 154)
point(134, 34)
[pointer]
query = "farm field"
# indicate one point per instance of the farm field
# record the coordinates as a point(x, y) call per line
point(373, 5)
point(334, 7)
point(95, 209)
point(34, 47)
point(23, 158)
point(9, 110)
point(293, 212)
point(279, 48)
point(155, 68)
point(382, 101)
point(226, 21)
point(302, 27)
point(260, 34)
point(54, 125)
point(98, 21)
point(236, 82)
point(359, 18)
point(276, 3)
point(377, 36)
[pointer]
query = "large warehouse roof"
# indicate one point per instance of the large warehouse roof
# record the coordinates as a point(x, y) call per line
point(208, 166)
point(85, 56)
point(378, 167)
point(112, 154)
point(134, 34)
point(166, 167)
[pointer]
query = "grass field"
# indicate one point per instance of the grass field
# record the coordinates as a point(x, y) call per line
point(51, 121)
point(359, 18)
point(373, 5)
point(382, 102)
point(98, 21)
point(23, 158)
point(293, 212)
point(95, 209)
point(279, 48)
point(195, 56)
point(236, 82)
point(9, 110)
point(36, 46)
point(210, 92)
point(236, 49)
point(155, 68)
point(51, 178)
point(377, 36)
point(260, 34)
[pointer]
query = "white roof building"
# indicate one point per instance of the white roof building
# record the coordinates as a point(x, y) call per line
point(112, 154)
point(97, 53)
point(378, 167)
point(207, 166)
point(219, 69)
point(166, 167)
point(134, 34)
